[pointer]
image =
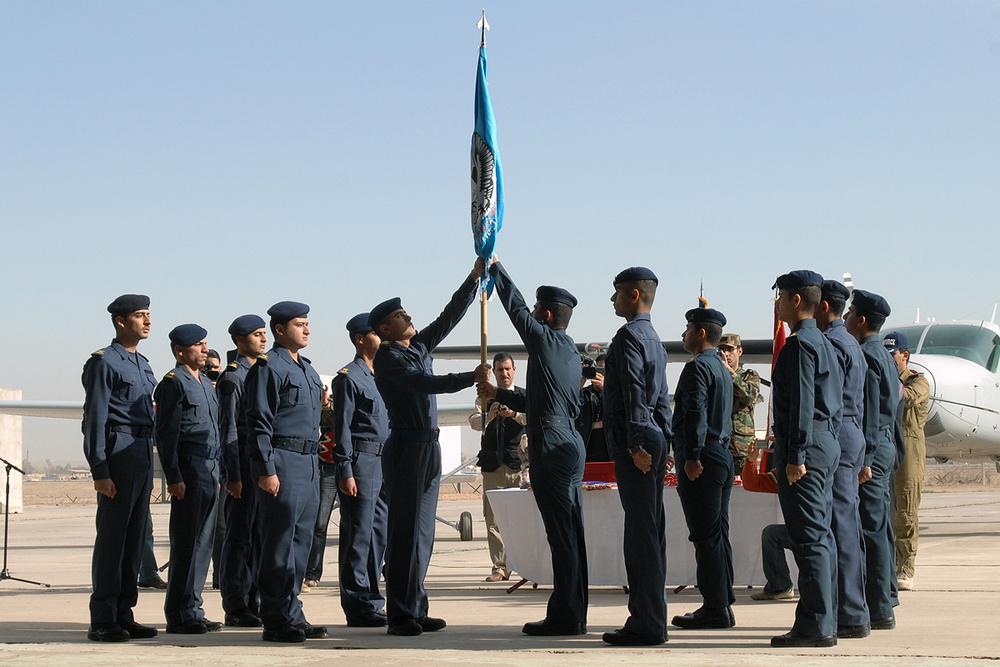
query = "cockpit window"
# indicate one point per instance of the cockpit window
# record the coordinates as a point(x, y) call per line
point(977, 344)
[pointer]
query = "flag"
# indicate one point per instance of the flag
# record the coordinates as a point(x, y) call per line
point(780, 335)
point(487, 176)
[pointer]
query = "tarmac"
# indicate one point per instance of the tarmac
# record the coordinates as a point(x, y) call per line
point(952, 618)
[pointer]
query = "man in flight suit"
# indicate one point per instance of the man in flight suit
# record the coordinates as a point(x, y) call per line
point(118, 444)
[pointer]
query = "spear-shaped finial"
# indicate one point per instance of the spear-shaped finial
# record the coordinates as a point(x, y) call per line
point(484, 26)
point(702, 301)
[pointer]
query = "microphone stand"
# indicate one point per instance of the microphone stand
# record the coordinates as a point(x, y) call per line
point(5, 573)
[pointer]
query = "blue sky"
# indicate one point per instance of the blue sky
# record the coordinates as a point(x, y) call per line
point(221, 156)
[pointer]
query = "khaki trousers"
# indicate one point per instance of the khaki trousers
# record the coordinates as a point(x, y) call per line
point(501, 478)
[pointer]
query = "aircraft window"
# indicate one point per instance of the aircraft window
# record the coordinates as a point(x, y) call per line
point(977, 345)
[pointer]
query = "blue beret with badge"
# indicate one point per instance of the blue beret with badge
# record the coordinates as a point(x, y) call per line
point(187, 334)
point(555, 294)
point(705, 316)
point(797, 279)
point(283, 311)
point(244, 325)
point(835, 289)
point(869, 303)
point(359, 324)
point(896, 341)
point(128, 303)
point(383, 310)
point(635, 274)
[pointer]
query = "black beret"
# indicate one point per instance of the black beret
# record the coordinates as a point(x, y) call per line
point(128, 303)
point(245, 325)
point(359, 324)
point(283, 311)
point(634, 274)
point(383, 310)
point(557, 294)
point(796, 279)
point(869, 303)
point(835, 289)
point(706, 315)
point(187, 334)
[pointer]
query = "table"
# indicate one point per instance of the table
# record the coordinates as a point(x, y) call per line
point(604, 524)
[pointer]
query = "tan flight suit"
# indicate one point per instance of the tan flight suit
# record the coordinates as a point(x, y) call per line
point(910, 476)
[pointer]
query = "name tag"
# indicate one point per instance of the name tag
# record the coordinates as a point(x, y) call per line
point(599, 424)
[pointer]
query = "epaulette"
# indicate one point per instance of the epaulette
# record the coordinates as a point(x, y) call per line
point(233, 365)
point(99, 353)
point(342, 371)
point(793, 334)
point(384, 343)
point(169, 376)
point(262, 359)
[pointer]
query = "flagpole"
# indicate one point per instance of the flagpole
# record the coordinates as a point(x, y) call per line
point(483, 297)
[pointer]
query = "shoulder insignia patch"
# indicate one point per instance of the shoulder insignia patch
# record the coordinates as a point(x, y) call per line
point(169, 376)
point(342, 371)
point(791, 335)
point(99, 353)
point(385, 343)
point(262, 359)
point(233, 365)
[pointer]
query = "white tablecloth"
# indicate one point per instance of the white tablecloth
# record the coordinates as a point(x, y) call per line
point(528, 552)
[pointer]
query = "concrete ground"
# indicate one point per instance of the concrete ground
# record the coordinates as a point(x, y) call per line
point(953, 618)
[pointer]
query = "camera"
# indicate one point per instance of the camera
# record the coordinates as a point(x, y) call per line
point(589, 372)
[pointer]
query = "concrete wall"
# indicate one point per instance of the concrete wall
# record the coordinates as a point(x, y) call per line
point(10, 449)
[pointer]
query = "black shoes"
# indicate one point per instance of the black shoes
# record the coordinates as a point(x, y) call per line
point(625, 637)
point(195, 626)
point(884, 623)
point(430, 624)
point(286, 635)
point(313, 631)
point(211, 626)
point(370, 620)
point(795, 640)
point(244, 619)
point(107, 632)
point(547, 628)
point(701, 619)
point(136, 631)
point(853, 631)
point(408, 628)
point(152, 583)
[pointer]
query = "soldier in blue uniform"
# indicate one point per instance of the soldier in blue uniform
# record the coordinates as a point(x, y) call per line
point(807, 394)
point(703, 427)
point(284, 397)
point(361, 427)
point(118, 444)
point(852, 610)
point(864, 319)
point(638, 428)
point(187, 439)
point(556, 451)
point(241, 540)
point(411, 459)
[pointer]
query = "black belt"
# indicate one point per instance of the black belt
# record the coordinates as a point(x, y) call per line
point(369, 447)
point(203, 451)
point(555, 422)
point(416, 434)
point(297, 445)
point(138, 431)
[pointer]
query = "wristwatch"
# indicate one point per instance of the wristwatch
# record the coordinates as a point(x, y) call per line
point(632, 451)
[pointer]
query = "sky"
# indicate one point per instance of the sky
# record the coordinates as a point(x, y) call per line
point(222, 156)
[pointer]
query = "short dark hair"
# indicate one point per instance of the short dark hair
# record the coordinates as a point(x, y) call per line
point(873, 321)
point(837, 304)
point(212, 354)
point(713, 331)
point(647, 289)
point(811, 294)
point(501, 357)
point(561, 313)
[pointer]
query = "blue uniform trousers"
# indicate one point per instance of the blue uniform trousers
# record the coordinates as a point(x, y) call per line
point(286, 526)
point(121, 531)
point(852, 609)
point(362, 539)
point(645, 542)
point(876, 523)
point(147, 566)
point(327, 496)
point(705, 502)
point(556, 459)
point(774, 541)
point(192, 533)
point(807, 507)
point(241, 548)
point(412, 476)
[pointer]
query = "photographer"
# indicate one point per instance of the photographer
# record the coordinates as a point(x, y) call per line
point(590, 423)
point(502, 429)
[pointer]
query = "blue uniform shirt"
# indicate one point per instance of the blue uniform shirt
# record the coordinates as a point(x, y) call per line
point(882, 395)
point(807, 389)
point(405, 375)
point(359, 413)
point(852, 365)
point(635, 385)
point(187, 420)
point(284, 399)
point(552, 383)
point(703, 409)
point(232, 416)
point(119, 392)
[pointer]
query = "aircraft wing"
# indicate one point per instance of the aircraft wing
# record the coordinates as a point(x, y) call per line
point(756, 351)
point(56, 409)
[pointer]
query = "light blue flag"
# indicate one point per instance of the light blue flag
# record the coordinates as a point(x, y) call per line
point(487, 176)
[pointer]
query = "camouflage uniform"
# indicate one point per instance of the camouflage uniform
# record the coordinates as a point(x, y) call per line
point(746, 392)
